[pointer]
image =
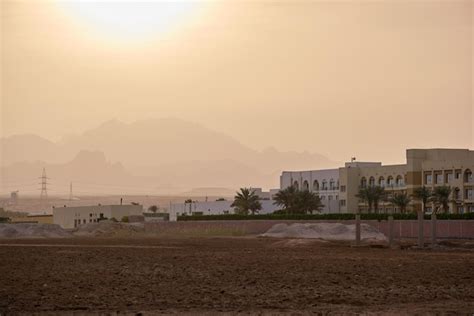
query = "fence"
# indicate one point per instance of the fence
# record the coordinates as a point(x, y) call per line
point(456, 229)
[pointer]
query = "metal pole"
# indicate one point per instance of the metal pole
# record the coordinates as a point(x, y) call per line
point(390, 231)
point(433, 229)
point(421, 236)
point(357, 226)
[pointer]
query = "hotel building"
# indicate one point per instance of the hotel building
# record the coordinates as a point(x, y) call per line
point(424, 167)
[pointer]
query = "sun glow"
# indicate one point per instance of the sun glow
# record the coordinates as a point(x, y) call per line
point(131, 20)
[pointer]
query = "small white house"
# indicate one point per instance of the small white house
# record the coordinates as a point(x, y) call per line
point(71, 217)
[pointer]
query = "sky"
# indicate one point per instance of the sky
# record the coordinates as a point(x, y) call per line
point(341, 78)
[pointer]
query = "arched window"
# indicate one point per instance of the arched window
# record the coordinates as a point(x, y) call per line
point(331, 185)
point(372, 181)
point(400, 182)
point(390, 181)
point(457, 194)
point(325, 185)
point(305, 185)
point(382, 181)
point(296, 185)
point(363, 182)
point(315, 185)
point(468, 177)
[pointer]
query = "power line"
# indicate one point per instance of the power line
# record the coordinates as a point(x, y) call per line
point(44, 185)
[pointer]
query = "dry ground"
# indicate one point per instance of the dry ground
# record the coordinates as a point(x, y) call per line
point(232, 275)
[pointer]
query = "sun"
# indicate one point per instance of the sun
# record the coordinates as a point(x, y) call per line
point(130, 20)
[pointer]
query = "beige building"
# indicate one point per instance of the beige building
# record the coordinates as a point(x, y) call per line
point(71, 217)
point(37, 219)
point(428, 167)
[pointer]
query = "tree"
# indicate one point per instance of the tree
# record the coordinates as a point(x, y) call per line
point(307, 202)
point(378, 194)
point(400, 200)
point(286, 198)
point(441, 197)
point(295, 201)
point(153, 208)
point(423, 194)
point(246, 200)
point(364, 196)
point(372, 195)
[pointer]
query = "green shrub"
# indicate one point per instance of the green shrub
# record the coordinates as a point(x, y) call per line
point(125, 219)
point(336, 216)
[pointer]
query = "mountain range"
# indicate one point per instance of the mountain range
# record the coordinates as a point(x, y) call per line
point(163, 155)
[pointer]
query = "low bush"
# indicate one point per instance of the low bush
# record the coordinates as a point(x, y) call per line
point(336, 216)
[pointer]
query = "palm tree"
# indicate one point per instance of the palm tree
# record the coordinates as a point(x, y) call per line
point(364, 196)
point(441, 197)
point(246, 200)
point(423, 194)
point(400, 200)
point(286, 198)
point(371, 195)
point(307, 202)
point(377, 193)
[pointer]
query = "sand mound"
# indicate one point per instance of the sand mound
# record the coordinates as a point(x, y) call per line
point(29, 230)
point(109, 229)
point(325, 231)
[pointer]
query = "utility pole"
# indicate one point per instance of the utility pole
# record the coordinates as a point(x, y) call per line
point(44, 185)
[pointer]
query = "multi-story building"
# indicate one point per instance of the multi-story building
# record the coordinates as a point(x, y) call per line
point(424, 167)
point(324, 182)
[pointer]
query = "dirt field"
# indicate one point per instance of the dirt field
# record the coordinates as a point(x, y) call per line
point(234, 275)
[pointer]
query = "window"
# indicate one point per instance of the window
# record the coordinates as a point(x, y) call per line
point(439, 178)
point(400, 181)
point(470, 194)
point(428, 179)
point(337, 197)
point(468, 177)
point(296, 185)
point(363, 182)
point(323, 198)
point(382, 181)
point(372, 181)
point(457, 194)
point(458, 174)
point(315, 185)
point(325, 185)
point(305, 185)
point(342, 202)
point(330, 197)
point(343, 188)
point(390, 181)
point(83, 221)
point(449, 177)
point(331, 185)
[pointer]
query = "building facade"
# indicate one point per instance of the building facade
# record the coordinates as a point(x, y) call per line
point(423, 167)
point(72, 217)
point(324, 182)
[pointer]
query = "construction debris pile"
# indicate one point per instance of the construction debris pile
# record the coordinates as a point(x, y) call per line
point(324, 231)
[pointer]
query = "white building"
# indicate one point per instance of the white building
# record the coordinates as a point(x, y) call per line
point(215, 208)
point(71, 217)
point(324, 182)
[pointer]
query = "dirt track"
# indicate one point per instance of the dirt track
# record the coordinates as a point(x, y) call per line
point(245, 275)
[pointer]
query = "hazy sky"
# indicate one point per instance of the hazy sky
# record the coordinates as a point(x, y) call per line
point(342, 78)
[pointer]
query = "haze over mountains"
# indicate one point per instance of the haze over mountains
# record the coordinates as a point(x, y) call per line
point(149, 156)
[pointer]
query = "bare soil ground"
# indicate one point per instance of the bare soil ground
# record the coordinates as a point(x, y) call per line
point(230, 275)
